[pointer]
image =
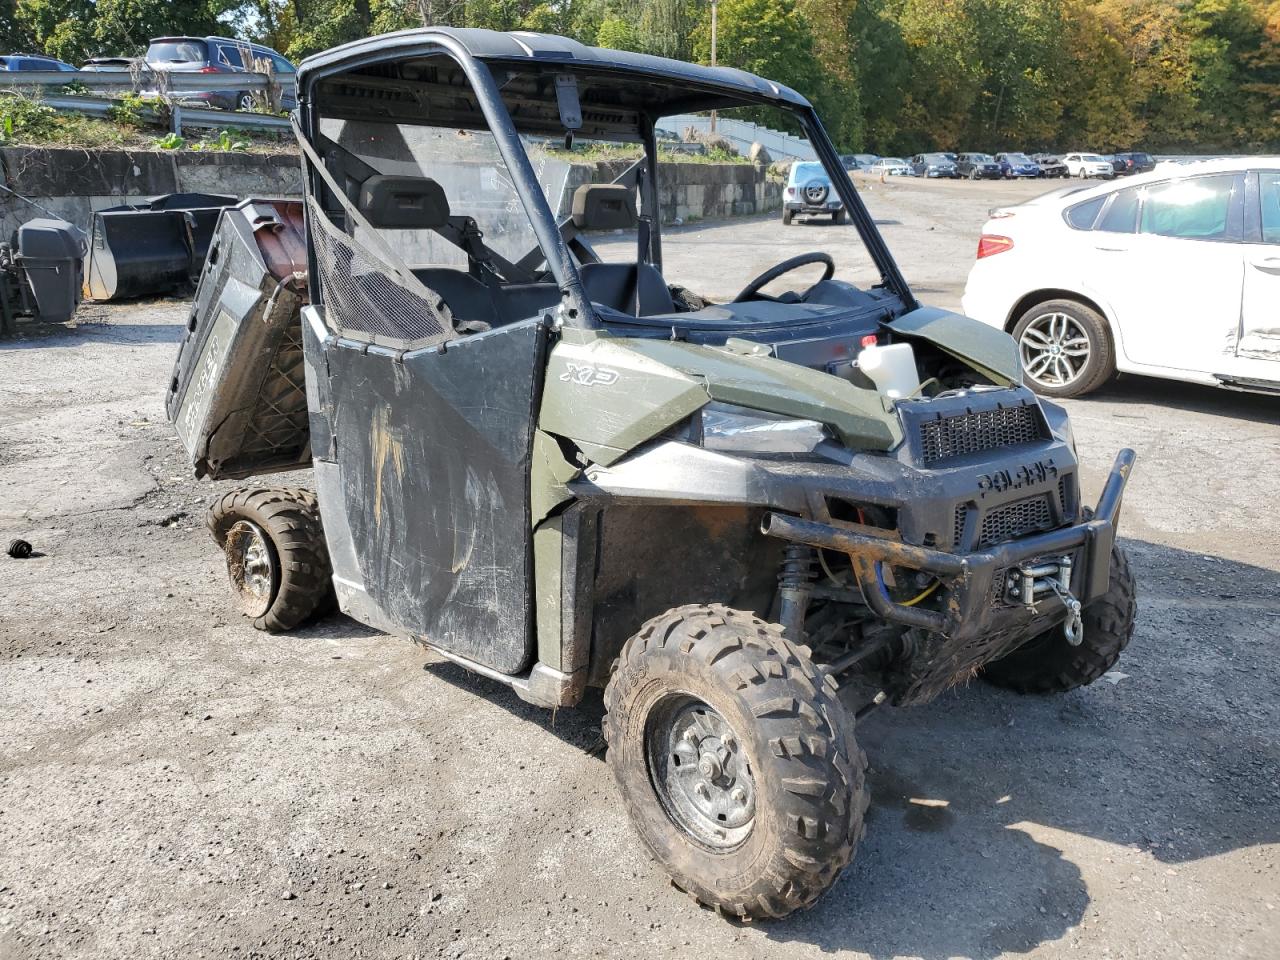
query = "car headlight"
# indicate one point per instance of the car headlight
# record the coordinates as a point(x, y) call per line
point(730, 429)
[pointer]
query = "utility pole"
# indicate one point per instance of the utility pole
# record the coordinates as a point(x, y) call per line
point(714, 5)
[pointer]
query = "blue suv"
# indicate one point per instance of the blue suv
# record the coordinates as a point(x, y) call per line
point(1014, 165)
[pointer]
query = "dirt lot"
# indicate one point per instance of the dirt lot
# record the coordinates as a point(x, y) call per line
point(174, 784)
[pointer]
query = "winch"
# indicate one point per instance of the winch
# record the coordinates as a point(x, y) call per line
point(1034, 579)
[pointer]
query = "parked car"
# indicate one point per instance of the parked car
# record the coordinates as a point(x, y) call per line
point(1130, 163)
point(849, 161)
point(1084, 165)
point(1050, 165)
point(865, 159)
point(933, 165)
point(891, 167)
point(33, 61)
point(809, 192)
point(978, 166)
point(109, 64)
point(1169, 274)
point(1016, 165)
point(218, 55)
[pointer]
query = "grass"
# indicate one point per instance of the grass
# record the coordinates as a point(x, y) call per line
point(597, 151)
point(26, 121)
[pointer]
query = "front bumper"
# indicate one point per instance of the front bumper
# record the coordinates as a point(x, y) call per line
point(967, 610)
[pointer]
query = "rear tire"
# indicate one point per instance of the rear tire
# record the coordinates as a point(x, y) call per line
point(837, 216)
point(1048, 664)
point(786, 218)
point(1035, 333)
point(712, 711)
point(277, 559)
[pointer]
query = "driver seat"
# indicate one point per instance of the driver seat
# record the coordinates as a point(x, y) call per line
point(633, 288)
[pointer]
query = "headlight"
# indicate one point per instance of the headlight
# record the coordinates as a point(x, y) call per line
point(731, 429)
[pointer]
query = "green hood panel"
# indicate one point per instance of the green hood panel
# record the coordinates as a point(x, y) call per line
point(986, 348)
point(618, 392)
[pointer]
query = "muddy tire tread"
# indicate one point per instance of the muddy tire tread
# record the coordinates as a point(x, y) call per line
point(1108, 629)
point(290, 517)
point(819, 773)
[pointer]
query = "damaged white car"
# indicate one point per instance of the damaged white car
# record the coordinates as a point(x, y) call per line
point(1173, 276)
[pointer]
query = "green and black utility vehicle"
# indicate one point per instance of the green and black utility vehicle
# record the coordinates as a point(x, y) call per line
point(540, 452)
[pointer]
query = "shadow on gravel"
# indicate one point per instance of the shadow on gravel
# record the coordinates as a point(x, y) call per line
point(975, 797)
point(1193, 397)
point(981, 800)
point(36, 336)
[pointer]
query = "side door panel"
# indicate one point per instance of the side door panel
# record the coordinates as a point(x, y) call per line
point(433, 451)
point(1258, 350)
point(1176, 299)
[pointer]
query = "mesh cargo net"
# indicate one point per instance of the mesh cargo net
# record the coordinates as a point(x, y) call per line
point(370, 299)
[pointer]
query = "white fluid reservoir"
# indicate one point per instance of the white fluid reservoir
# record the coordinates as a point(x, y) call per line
point(892, 368)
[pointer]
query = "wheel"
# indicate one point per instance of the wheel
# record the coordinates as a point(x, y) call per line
point(837, 216)
point(1065, 348)
point(973, 174)
point(786, 218)
point(1080, 174)
point(1048, 664)
point(735, 759)
point(276, 556)
point(246, 102)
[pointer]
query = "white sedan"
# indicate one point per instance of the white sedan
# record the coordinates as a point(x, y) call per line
point(1169, 274)
point(891, 166)
point(1088, 165)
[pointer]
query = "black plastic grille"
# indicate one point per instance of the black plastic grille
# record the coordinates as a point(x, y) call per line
point(962, 514)
point(1015, 520)
point(976, 430)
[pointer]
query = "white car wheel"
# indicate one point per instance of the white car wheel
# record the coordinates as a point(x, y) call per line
point(1064, 348)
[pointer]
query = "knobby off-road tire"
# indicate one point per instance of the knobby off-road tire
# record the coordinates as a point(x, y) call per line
point(786, 218)
point(805, 778)
point(278, 528)
point(1048, 664)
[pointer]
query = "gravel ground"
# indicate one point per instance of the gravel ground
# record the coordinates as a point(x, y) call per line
point(174, 784)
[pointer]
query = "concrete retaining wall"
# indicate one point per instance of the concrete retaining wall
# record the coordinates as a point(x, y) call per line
point(74, 183)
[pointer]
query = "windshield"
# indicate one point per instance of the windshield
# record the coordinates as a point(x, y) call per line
point(1017, 158)
point(1091, 158)
point(176, 51)
point(981, 158)
point(807, 171)
point(935, 158)
point(473, 175)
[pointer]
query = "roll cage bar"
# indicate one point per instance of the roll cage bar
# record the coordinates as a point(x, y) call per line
point(558, 240)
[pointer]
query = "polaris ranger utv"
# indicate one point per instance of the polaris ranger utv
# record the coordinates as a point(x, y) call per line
point(539, 454)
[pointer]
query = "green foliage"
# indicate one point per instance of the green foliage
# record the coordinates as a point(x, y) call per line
point(891, 76)
point(170, 141)
point(128, 111)
point(23, 119)
point(222, 141)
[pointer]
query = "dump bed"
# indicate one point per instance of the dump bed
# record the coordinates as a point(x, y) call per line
point(237, 397)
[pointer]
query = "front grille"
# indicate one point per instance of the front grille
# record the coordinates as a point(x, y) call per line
point(976, 430)
point(1016, 519)
point(962, 514)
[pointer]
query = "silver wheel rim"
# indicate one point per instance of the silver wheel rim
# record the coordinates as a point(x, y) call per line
point(1054, 349)
point(700, 772)
point(251, 565)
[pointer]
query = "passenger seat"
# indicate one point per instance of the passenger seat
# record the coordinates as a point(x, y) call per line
point(633, 288)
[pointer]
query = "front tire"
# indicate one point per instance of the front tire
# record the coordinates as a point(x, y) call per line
point(277, 559)
point(1048, 664)
point(1065, 348)
point(735, 759)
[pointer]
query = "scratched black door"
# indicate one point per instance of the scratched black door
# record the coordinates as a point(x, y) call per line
point(434, 454)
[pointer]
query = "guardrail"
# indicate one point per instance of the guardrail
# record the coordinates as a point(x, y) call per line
point(781, 146)
point(179, 116)
point(144, 80)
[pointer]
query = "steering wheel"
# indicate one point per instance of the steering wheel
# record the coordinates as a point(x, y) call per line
point(786, 266)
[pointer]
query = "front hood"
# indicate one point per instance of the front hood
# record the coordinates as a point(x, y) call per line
point(610, 394)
